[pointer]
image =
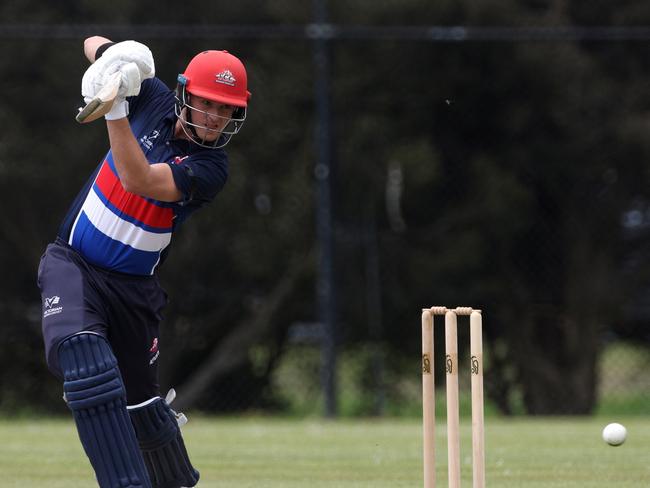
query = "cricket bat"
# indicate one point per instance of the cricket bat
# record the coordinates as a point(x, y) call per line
point(102, 102)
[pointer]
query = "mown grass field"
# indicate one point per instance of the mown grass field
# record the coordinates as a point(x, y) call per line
point(274, 453)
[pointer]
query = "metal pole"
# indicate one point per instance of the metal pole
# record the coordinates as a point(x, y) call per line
point(322, 173)
point(373, 305)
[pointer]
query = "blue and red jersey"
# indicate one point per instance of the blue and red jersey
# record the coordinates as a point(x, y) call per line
point(125, 232)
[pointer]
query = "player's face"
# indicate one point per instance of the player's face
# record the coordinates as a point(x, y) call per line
point(210, 117)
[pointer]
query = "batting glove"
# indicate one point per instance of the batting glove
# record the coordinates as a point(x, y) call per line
point(119, 110)
point(131, 52)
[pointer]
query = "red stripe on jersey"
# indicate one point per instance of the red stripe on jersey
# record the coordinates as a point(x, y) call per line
point(131, 204)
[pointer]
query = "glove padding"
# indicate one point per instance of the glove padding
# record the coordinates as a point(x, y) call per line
point(133, 59)
point(131, 52)
point(131, 80)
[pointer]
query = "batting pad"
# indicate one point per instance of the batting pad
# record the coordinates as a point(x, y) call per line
point(95, 394)
point(162, 445)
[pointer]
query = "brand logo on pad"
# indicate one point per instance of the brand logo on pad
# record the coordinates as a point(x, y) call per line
point(49, 306)
point(226, 78)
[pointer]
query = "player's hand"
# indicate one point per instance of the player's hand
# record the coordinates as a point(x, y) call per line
point(117, 58)
point(130, 52)
point(96, 77)
point(131, 80)
point(129, 86)
point(94, 80)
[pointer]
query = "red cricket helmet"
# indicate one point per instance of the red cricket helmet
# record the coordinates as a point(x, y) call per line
point(218, 76)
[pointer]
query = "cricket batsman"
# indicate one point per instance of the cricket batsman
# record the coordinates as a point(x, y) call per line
point(102, 301)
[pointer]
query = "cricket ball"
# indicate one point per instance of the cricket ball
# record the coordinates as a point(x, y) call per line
point(614, 434)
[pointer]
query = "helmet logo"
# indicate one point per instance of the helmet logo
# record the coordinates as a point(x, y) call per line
point(226, 78)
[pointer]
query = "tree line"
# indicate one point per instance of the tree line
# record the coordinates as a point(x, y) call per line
point(511, 176)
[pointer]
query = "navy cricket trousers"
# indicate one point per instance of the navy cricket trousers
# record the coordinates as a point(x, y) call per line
point(126, 309)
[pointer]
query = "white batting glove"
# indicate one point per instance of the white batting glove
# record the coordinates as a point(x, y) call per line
point(130, 84)
point(131, 52)
point(119, 110)
point(92, 81)
point(96, 77)
point(115, 58)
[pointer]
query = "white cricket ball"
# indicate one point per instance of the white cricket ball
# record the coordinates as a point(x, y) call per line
point(614, 434)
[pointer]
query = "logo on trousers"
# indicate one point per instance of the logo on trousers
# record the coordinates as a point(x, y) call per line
point(154, 349)
point(49, 306)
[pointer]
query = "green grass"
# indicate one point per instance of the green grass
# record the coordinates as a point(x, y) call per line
point(274, 453)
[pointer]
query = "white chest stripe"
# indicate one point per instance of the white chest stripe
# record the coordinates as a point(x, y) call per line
point(125, 232)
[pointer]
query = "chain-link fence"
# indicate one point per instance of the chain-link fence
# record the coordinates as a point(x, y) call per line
point(502, 168)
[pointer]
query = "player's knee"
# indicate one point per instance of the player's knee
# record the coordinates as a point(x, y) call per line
point(53, 365)
point(89, 370)
point(162, 446)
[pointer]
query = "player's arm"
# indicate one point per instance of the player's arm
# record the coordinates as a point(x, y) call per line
point(91, 45)
point(136, 174)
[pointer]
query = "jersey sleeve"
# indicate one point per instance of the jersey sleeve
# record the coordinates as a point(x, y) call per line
point(200, 177)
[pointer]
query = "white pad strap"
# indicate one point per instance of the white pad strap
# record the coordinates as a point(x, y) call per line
point(181, 418)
